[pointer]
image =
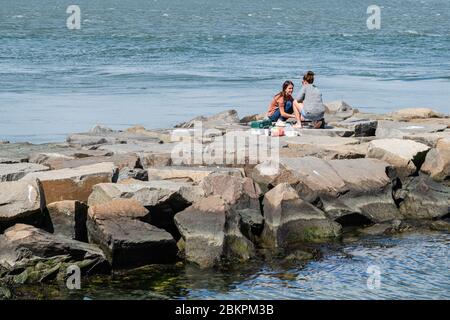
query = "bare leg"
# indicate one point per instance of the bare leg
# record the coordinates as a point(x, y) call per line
point(297, 112)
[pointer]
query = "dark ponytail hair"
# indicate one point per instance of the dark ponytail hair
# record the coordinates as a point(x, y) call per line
point(282, 93)
point(309, 77)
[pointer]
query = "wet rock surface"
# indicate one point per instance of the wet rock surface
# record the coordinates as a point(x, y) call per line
point(29, 254)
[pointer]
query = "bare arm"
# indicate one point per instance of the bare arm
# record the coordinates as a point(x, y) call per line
point(301, 96)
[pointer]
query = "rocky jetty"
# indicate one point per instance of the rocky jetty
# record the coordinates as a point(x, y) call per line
point(213, 191)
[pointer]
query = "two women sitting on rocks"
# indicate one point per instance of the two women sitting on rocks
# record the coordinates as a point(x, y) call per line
point(308, 106)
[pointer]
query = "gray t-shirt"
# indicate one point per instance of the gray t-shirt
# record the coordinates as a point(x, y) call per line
point(313, 108)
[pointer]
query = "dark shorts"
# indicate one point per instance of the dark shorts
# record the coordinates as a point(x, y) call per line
point(288, 108)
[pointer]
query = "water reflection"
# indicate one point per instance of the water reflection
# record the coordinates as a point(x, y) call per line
point(413, 266)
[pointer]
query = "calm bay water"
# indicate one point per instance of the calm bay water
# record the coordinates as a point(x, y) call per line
point(414, 266)
point(156, 63)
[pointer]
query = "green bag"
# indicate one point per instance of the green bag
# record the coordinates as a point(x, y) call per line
point(261, 124)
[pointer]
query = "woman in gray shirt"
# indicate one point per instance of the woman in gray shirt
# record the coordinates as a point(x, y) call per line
point(310, 102)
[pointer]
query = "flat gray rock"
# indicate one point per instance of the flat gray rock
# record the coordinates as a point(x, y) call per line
point(394, 129)
point(362, 127)
point(194, 174)
point(328, 131)
point(148, 193)
point(345, 186)
point(21, 152)
point(21, 201)
point(16, 171)
point(406, 156)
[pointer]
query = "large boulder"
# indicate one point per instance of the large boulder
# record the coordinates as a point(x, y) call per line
point(21, 202)
point(422, 198)
point(367, 195)
point(337, 110)
point(327, 152)
point(90, 139)
point(406, 156)
point(28, 255)
point(129, 173)
point(253, 117)
point(328, 131)
point(301, 142)
point(21, 152)
point(162, 197)
point(290, 220)
point(337, 107)
point(135, 147)
point(130, 160)
point(151, 154)
point(128, 242)
point(222, 118)
point(68, 218)
point(73, 183)
point(148, 193)
point(430, 139)
point(141, 134)
point(193, 174)
point(344, 187)
point(415, 113)
point(437, 161)
point(401, 130)
point(16, 171)
point(48, 158)
point(362, 127)
point(236, 191)
point(211, 233)
point(235, 149)
point(100, 129)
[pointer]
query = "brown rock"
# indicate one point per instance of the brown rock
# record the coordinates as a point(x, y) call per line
point(193, 174)
point(236, 191)
point(73, 183)
point(437, 161)
point(118, 208)
point(218, 236)
point(416, 113)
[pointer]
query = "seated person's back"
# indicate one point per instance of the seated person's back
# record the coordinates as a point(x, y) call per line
point(311, 97)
